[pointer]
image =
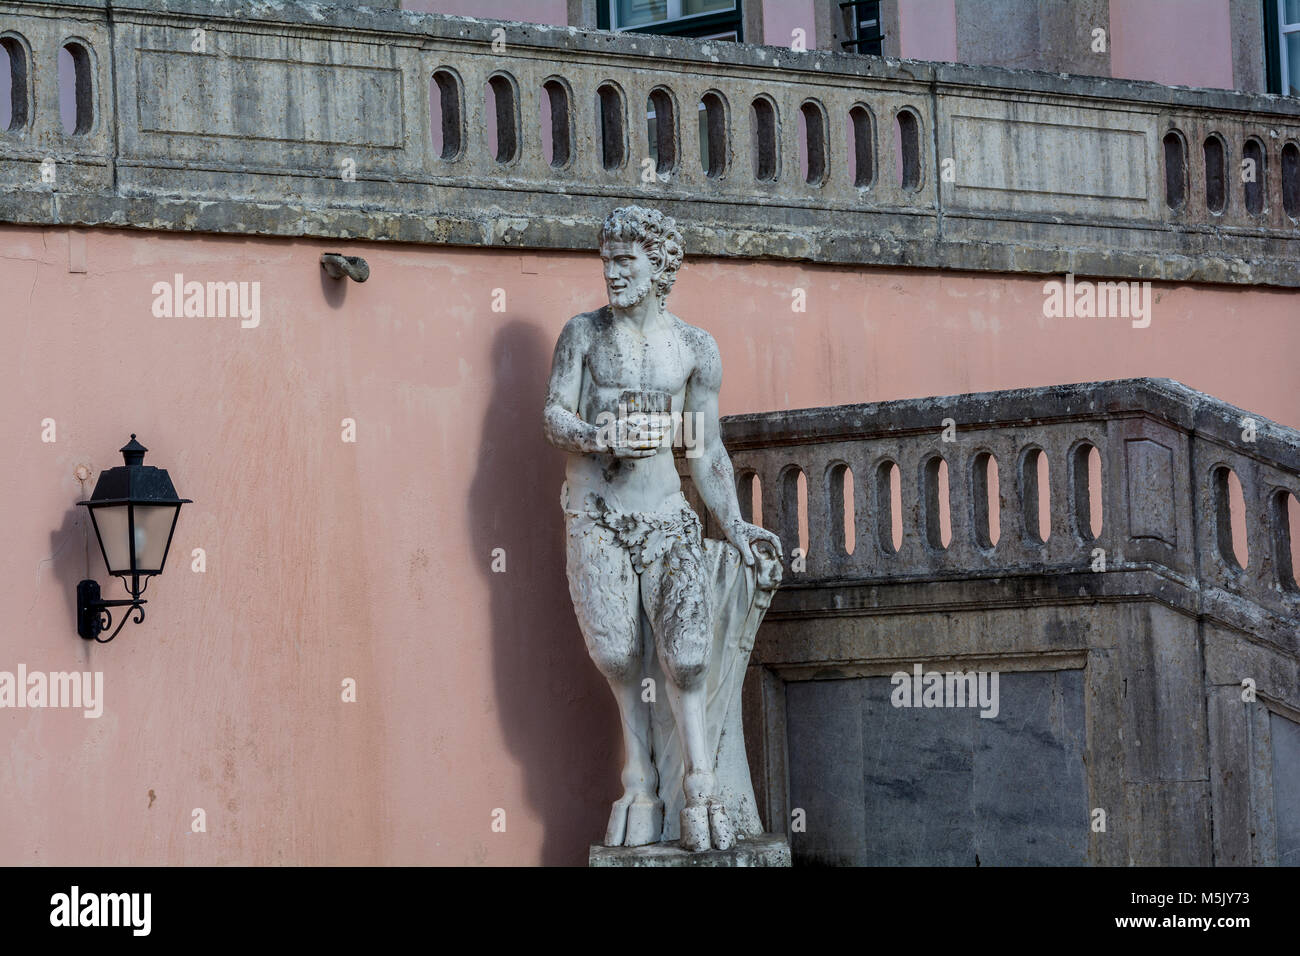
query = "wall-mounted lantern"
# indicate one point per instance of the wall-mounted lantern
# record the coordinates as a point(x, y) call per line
point(134, 510)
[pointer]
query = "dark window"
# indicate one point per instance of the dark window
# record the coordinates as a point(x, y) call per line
point(555, 114)
point(763, 139)
point(503, 116)
point(862, 26)
point(814, 124)
point(1284, 538)
point(861, 146)
point(1291, 180)
point(609, 106)
point(1216, 161)
point(444, 114)
point(713, 134)
point(702, 19)
point(1254, 175)
point(1175, 170)
point(13, 84)
point(1282, 46)
point(78, 110)
point(661, 130)
point(907, 129)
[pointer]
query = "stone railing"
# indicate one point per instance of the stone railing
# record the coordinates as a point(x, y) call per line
point(294, 118)
point(1165, 456)
point(1150, 670)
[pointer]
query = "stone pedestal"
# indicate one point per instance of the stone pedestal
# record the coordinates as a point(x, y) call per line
point(768, 849)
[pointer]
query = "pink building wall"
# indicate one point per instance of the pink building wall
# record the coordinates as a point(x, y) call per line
point(927, 30)
point(1184, 42)
point(372, 560)
point(780, 20)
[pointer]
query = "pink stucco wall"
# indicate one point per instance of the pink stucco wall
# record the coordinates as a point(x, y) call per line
point(927, 30)
point(371, 560)
point(1185, 42)
point(780, 20)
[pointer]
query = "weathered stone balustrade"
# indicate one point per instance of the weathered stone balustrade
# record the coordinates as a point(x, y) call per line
point(1165, 453)
point(1162, 688)
point(292, 118)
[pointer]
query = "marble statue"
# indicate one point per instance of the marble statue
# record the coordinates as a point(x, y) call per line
point(668, 616)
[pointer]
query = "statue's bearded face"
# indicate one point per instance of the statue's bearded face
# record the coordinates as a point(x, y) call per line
point(629, 272)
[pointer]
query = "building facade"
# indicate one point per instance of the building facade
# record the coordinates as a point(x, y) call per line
point(363, 651)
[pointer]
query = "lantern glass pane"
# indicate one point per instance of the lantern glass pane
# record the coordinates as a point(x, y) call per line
point(153, 528)
point(111, 526)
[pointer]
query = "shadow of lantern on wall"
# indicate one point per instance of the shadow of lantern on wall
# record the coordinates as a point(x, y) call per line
point(134, 509)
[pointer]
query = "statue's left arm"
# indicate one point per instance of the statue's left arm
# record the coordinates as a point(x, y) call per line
point(710, 465)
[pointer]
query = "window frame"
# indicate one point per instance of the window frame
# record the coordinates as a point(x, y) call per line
point(854, 20)
point(717, 25)
point(1276, 59)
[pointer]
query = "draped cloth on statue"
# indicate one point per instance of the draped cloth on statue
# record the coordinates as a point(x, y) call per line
point(740, 600)
point(737, 597)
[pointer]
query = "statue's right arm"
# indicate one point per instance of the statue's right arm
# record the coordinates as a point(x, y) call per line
point(560, 422)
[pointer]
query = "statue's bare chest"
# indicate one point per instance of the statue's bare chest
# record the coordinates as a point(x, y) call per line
point(620, 358)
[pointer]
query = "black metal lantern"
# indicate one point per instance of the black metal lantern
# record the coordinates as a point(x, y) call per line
point(134, 509)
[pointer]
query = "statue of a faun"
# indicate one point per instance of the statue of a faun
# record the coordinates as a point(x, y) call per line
point(668, 616)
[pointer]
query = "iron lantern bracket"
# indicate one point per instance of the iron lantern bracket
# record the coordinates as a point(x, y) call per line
point(94, 615)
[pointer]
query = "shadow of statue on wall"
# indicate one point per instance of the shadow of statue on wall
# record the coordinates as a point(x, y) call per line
point(556, 712)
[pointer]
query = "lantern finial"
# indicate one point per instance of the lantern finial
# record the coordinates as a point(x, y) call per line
point(133, 452)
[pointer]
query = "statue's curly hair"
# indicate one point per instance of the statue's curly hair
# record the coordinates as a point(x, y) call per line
point(657, 235)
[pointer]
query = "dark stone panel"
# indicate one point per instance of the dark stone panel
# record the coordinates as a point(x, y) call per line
point(825, 717)
point(1030, 785)
point(890, 786)
point(1286, 787)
